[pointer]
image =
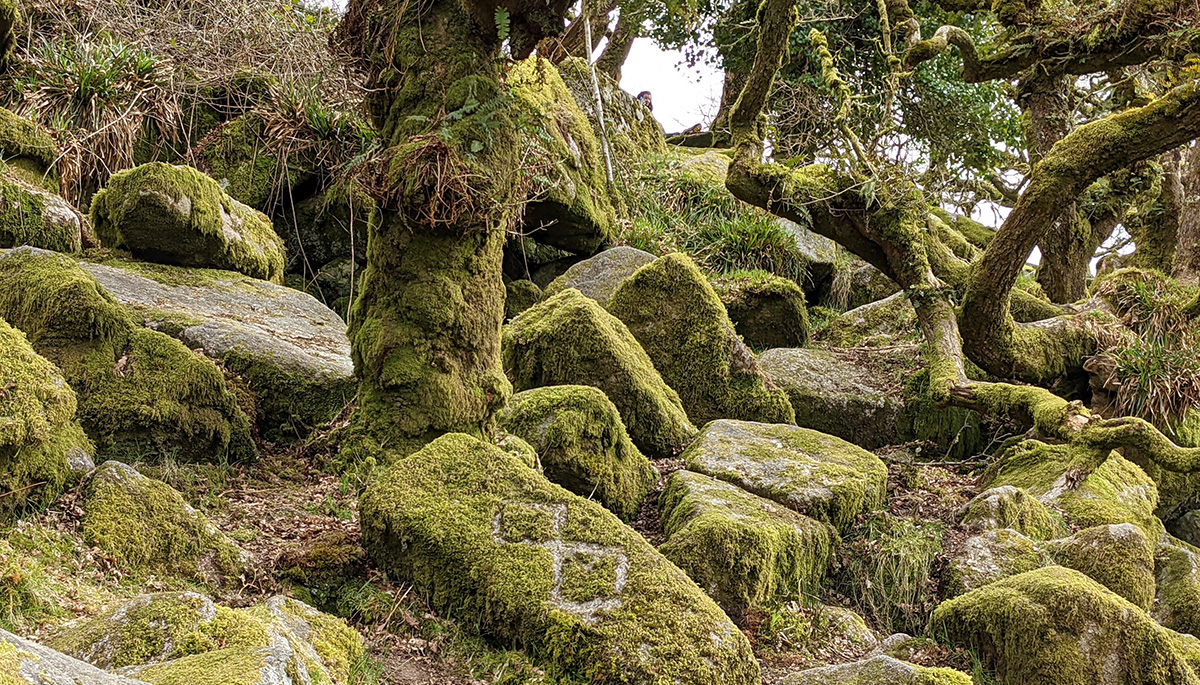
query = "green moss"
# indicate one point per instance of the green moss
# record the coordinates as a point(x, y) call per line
point(674, 313)
point(813, 473)
point(988, 557)
point(745, 551)
point(1118, 556)
point(56, 303)
point(767, 310)
point(519, 296)
point(232, 666)
point(889, 321)
point(442, 520)
point(582, 445)
point(146, 525)
point(1056, 625)
point(569, 339)
point(25, 147)
point(957, 433)
point(289, 404)
point(237, 157)
point(1177, 572)
point(30, 215)
point(10, 661)
point(1010, 507)
point(177, 215)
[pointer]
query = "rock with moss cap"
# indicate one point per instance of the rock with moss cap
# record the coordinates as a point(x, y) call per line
point(890, 321)
point(878, 670)
point(818, 475)
point(674, 313)
point(485, 537)
point(991, 556)
point(291, 350)
point(582, 445)
point(745, 551)
point(31, 215)
point(43, 449)
point(1115, 491)
point(1011, 507)
point(1116, 555)
point(173, 638)
point(28, 151)
point(568, 339)
point(1057, 626)
point(177, 215)
point(570, 208)
point(141, 393)
point(598, 277)
point(867, 285)
point(519, 296)
point(24, 662)
point(1177, 573)
point(632, 129)
point(238, 158)
point(147, 526)
point(767, 310)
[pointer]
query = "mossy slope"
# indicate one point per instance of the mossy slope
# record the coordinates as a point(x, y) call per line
point(485, 537)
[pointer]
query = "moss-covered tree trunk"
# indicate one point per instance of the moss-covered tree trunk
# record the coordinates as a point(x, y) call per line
point(1187, 250)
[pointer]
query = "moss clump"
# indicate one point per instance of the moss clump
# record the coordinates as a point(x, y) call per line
point(519, 296)
point(25, 148)
point(141, 392)
point(674, 313)
point(568, 339)
point(582, 444)
point(236, 156)
point(813, 473)
point(889, 321)
point(1177, 572)
point(147, 526)
point(488, 539)
point(30, 215)
point(1010, 507)
point(1056, 625)
point(767, 310)
point(177, 215)
point(42, 448)
point(745, 551)
point(1118, 556)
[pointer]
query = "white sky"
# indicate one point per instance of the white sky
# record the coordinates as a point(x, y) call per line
point(682, 96)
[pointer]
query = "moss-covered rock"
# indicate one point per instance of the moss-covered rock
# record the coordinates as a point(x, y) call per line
point(237, 157)
point(523, 256)
point(813, 473)
point(571, 208)
point(1117, 491)
point(890, 321)
point(675, 314)
point(989, 557)
point(23, 662)
point(519, 296)
point(141, 393)
point(289, 349)
point(598, 277)
point(582, 445)
point(42, 448)
point(330, 225)
point(745, 551)
point(485, 537)
point(767, 310)
point(867, 285)
point(31, 215)
point(1117, 555)
point(321, 567)
point(27, 150)
point(177, 215)
point(1177, 573)
point(1056, 625)
point(632, 129)
point(1011, 507)
point(878, 670)
point(182, 638)
point(147, 526)
point(568, 339)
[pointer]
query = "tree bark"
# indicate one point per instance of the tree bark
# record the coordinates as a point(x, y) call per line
point(617, 51)
point(1187, 250)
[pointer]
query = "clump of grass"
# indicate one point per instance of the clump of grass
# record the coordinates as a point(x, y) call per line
point(887, 571)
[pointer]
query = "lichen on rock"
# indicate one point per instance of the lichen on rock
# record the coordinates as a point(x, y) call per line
point(598, 277)
point(32, 215)
point(483, 536)
point(669, 306)
point(177, 215)
point(568, 339)
point(582, 445)
point(1007, 506)
point(878, 670)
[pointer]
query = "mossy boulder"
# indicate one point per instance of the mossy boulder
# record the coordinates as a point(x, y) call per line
point(570, 207)
point(237, 157)
point(484, 537)
point(568, 339)
point(745, 551)
point(141, 393)
point(31, 215)
point(147, 526)
point(24, 662)
point(991, 556)
point(767, 310)
point(519, 296)
point(1186, 527)
point(598, 277)
point(290, 350)
point(177, 215)
point(890, 321)
point(1116, 555)
point(43, 449)
point(1177, 573)
point(330, 225)
point(523, 256)
point(582, 445)
point(633, 132)
point(878, 670)
point(677, 317)
point(1056, 625)
point(183, 638)
point(27, 150)
point(1011, 507)
point(867, 285)
point(321, 567)
point(1115, 491)
point(818, 475)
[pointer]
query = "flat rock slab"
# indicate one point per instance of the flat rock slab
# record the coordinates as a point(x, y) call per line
point(816, 474)
point(22, 661)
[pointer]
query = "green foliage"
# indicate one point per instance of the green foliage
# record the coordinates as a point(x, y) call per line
point(887, 570)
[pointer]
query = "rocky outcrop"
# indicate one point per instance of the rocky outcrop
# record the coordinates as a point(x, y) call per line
point(813, 473)
point(598, 277)
point(23, 662)
point(177, 215)
point(568, 339)
point(488, 538)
